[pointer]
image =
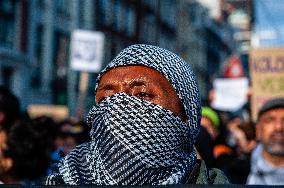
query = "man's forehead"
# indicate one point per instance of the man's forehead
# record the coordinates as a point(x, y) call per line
point(122, 68)
point(272, 113)
point(139, 72)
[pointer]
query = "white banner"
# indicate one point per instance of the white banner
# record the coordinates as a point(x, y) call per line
point(230, 94)
point(87, 50)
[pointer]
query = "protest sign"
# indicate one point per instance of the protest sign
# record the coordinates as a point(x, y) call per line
point(230, 93)
point(267, 76)
point(87, 50)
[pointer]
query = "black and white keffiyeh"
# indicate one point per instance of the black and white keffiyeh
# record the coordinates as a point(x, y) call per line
point(174, 68)
point(135, 142)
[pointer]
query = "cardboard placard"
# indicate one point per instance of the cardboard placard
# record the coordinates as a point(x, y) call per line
point(267, 76)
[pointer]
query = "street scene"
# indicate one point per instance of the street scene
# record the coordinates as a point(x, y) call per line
point(141, 92)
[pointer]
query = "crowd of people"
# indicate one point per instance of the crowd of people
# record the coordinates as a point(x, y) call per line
point(31, 147)
point(148, 127)
point(248, 152)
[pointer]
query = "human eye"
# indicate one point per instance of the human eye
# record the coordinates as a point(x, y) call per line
point(144, 95)
point(268, 119)
point(104, 91)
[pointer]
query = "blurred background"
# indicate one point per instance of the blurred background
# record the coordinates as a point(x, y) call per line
point(214, 36)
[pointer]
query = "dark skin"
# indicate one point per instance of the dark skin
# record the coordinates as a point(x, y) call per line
point(142, 82)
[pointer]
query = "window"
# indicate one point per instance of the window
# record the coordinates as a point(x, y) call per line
point(63, 7)
point(7, 22)
point(7, 73)
point(130, 21)
point(106, 11)
point(36, 74)
point(59, 83)
point(119, 18)
point(149, 29)
point(168, 12)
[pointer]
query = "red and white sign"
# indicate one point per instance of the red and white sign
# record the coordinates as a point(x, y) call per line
point(234, 68)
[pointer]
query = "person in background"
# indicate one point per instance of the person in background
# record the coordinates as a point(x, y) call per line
point(267, 161)
point(210, 121)
point(48, 128)
point(204, 146)
point(236, 163)
point(243, 134)
point(71, 134)
point(24, 153)
point(143, 126)
point(9, 107)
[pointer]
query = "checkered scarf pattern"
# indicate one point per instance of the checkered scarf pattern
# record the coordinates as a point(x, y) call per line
point(135, 142)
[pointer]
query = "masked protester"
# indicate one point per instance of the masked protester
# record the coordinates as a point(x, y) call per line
point(143, 126)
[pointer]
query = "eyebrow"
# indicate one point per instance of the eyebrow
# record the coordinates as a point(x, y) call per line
point(106, 86)
point(137, 83)
point(113, 84)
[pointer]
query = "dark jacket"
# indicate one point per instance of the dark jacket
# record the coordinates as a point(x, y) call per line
point(204, 175)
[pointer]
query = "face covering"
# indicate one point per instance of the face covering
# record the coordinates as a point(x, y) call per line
point(178, 72)
point(134, 142)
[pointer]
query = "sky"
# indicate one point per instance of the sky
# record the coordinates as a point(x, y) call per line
point(269, 22)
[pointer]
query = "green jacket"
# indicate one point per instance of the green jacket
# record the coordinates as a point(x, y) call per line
point(202, 175)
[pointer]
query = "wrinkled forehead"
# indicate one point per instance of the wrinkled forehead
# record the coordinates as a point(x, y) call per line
point(135, 69)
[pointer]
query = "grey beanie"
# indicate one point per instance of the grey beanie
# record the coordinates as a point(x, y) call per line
point(175, 69)
point(271, 104)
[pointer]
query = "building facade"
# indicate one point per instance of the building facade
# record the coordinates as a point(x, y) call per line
point(34, 47)
point(13, 45)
